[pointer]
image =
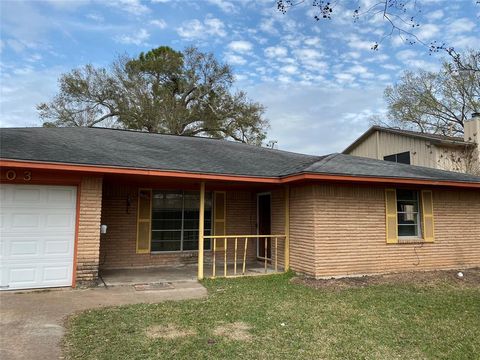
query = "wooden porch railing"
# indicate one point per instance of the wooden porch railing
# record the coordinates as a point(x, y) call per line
point(223, 239)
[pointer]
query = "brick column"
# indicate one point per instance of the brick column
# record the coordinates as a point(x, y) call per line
point(88, 245)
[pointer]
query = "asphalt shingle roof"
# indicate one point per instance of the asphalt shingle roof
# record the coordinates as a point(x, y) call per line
point(132, 149)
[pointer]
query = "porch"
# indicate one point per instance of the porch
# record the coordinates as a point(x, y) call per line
point(160, 230)
point(173, 274)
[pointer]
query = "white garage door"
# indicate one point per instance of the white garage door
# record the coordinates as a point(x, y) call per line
point(37, 234)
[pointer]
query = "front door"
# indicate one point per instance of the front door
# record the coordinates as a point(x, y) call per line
point(264, 224)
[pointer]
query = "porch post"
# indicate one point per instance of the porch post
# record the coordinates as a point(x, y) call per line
point(200, 230)
point(287, 228)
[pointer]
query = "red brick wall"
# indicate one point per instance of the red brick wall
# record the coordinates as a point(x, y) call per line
point(118, 246)
point(346, 235)
point(88, 244)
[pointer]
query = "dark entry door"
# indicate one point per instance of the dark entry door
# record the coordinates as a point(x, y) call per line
point(264, 224)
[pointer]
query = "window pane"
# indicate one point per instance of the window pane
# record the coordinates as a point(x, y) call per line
point(171, 209)
point(404, 158)
point(166, 240)
point(409, 218)
point(407, 212)
point(407, 230)
point(407, 195)
point(391, 158)
point(167, 210)
point(166, 246)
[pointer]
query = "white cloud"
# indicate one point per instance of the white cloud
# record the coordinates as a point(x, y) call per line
point(427, 31)
point(135, 7)
point(435, 15)
point(22, 88)
point(289, 69)
point(355, 42)
point(235, 59)
point(462, 25)
point(138, 38)
point(299, 116)
point(95, 17)
point(240, 46)
point(345, 77)
point(312, 41)
point(268, 26)
point(275, 51)
point(406, 55)
point(159, 23)
point(196, 29)
point(307, 54)
point(225, 6)
point(358, 69)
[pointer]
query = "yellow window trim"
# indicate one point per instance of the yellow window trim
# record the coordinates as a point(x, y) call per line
point(391, 216)
point(427, 216)
point(144, 220)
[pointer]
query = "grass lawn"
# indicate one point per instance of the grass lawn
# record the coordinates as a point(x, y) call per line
point(273, 317)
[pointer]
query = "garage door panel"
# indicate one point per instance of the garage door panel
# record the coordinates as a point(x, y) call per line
point(22, 275)
point(46, 246)
point(26, 195)
point(58, 248)
point(14, 220)
point(22, 248)
point(55, 274)
point(19, 221)
point(63, 195)
point(59, 221)
point(37, 236)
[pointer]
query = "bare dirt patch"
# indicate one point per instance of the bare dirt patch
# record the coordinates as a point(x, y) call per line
point(471, 279)
point(169, 332)
point(238, 331)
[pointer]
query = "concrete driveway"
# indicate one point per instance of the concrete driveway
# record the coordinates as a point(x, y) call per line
point(32, 323)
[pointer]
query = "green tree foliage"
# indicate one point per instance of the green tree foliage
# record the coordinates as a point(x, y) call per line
point(436, 102)
point(163, 90)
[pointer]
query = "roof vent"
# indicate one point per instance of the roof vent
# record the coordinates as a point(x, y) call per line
point(272, 144)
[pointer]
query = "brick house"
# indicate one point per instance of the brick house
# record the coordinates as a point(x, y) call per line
point(168, 201)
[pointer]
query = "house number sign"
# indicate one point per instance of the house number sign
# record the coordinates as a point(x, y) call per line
point(12, 175)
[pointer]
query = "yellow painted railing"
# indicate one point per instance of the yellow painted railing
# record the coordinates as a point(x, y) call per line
point(224, 239)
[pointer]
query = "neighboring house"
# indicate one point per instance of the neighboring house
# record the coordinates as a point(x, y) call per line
point(409, 147)
point(162, 196)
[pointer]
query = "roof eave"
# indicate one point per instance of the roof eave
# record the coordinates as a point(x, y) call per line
point(301, 176)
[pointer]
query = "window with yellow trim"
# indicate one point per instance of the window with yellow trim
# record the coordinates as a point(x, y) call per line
point(408, 214)
point(175, 216)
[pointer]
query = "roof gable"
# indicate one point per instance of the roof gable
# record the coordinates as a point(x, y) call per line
point(435, 138)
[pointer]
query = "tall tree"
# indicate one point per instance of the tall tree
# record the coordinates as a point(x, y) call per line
point(436, 102)
point(163, 90)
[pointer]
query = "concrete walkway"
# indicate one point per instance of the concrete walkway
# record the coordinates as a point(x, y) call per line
point(32, 323)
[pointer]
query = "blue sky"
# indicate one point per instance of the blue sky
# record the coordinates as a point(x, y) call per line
point(320, 81)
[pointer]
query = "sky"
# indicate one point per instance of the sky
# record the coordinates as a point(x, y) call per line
point(319, 80)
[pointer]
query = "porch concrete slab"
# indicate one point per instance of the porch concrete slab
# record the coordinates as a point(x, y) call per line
point(149, 275)
point(32, 323)
point(184, 273)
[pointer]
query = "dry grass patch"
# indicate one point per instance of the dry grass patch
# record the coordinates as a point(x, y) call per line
point(238, 331)
point(471, 279)
point(169, 332)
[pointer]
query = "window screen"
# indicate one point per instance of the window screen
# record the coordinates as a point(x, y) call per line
point(175, 220)
point(408, 214)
